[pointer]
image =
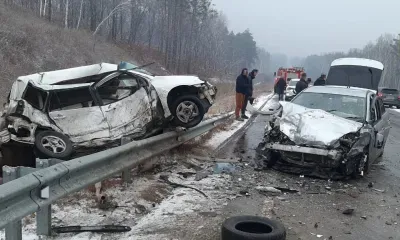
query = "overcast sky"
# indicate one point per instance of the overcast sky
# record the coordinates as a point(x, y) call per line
point(303, 27)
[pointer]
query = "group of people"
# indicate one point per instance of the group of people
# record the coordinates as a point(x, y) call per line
point(244, 92)
point(304, 83)
point(244, 89)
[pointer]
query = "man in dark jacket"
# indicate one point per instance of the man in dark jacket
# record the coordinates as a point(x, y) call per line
point(320, 81)
point(242, 90)
point(302, 84)
point(249, 96)
point(280, 88)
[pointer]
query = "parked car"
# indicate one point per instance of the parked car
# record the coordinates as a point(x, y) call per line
point(331, 131)
point(290, 89)
point(91, 106)
point(390, 97)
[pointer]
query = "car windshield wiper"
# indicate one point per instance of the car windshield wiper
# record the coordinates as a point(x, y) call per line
point(332, 110)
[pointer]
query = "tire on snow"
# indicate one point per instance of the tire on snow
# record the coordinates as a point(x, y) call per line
point(252, 228)
point(196, 120)
point(63, 152)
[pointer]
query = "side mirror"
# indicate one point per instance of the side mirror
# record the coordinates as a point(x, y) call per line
point(379, 140)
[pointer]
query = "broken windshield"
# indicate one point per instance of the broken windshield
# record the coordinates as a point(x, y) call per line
point(349, 107)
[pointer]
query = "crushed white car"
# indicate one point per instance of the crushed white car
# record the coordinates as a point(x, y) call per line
point(331, 131)
point(96, 105)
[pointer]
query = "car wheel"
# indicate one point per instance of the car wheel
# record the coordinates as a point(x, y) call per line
point(188, 111)
point(53, 144)
point(252, 228)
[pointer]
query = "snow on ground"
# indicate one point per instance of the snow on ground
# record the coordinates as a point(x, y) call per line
point(147, 206)
point(395, 110)
point(217, 139)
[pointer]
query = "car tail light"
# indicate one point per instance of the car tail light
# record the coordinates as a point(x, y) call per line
point(380, 94)
point(398, 97)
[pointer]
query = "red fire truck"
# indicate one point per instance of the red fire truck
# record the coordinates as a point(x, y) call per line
point(289, 73)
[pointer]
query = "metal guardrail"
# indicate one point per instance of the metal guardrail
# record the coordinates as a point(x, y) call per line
point(29, 190)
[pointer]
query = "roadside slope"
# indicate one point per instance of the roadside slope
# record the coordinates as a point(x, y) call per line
point(29, 44)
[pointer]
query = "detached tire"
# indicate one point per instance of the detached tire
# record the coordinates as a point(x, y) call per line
point(252, 228)
point(53, 145)
point(184, 107)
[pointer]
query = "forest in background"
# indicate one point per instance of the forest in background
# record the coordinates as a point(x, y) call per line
point(190, 35)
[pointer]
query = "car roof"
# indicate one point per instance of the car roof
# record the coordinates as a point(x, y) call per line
point(339, 90)
point(295, 79)
point(58, 76)
point(357, 62)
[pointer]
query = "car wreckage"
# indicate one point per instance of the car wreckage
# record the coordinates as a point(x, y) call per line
point(90, 106)
point(331, 131)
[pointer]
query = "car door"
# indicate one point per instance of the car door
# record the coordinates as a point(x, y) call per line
point(385, 122)
point(125, 104)
point(74, 111)
point(380, 128)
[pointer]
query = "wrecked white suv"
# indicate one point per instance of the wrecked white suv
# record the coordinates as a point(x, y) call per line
point(331, 131)
point(99, 104)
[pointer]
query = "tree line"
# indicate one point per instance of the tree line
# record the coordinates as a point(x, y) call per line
point(191, 35)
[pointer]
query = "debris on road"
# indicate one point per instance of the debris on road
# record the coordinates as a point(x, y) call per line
point(348, 211)
point(202, 174)
point(347, 232)
point(165, 179)
point(370, 185)
point(268, 190)
point(287, 190)
point(224, 168)
point(378, 190)
point(98, 229)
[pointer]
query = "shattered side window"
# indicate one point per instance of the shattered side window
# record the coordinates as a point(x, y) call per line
point(118, 88)
point(70, 99)
point(35, 97)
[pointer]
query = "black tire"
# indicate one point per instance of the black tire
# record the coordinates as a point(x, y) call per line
point(193, 122)
point(65, 151)
point(252, 228)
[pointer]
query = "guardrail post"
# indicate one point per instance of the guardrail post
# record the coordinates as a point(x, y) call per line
point(14, 229)
point(126, 174)
point(43, 216)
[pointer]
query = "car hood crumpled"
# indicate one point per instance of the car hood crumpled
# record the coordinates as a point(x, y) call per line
point(314, 127)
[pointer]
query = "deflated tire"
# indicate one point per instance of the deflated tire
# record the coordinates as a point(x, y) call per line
point(252, 228)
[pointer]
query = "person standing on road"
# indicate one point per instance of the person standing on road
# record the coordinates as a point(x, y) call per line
point(242, 90)
point(321, 81)
point(249, 96)
point(309, 82)
point(280, 88)
point(302, 84)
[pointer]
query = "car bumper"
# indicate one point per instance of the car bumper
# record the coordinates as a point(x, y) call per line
point(209, 93)
point(306, 156)
point(394, 102)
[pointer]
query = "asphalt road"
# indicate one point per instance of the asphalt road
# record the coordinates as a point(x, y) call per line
point(318, 208)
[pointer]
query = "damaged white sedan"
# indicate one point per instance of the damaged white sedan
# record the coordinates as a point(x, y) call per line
point(90, 106)
point(330, 131)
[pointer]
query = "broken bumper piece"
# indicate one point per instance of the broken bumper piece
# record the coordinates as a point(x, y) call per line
point(322, 163)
